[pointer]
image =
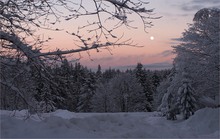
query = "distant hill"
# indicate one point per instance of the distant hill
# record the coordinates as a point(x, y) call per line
point(153, 66)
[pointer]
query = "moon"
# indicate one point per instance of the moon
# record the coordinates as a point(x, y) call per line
point(152, 38)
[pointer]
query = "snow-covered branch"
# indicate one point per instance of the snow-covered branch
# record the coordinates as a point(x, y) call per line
point(16, 90)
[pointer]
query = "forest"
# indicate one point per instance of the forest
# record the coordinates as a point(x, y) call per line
point(79, 89)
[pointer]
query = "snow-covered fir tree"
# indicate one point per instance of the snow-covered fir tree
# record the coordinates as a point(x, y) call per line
point(146, 83)
point(108, 74)
point(127, 93)
point(102, 99)
point(45, 94)
point(167, 95)
point(99, 73)
point(155, 79)
point(187, 102)
point(63, 75)
point(87, 91)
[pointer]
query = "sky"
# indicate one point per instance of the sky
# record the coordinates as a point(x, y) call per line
point(158, 42)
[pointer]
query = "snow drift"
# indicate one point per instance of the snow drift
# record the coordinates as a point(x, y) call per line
point(64, 124)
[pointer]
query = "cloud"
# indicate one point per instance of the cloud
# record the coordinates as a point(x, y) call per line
point(133, 57)
point(187, 7)
point(176, 39)
point(139, 58)
point(120, 60)
point(206, 1)
point(104, 59)
point(196, 5)
point(166, 53)
point(174, 15)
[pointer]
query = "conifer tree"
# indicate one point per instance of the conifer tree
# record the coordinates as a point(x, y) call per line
point(86, 93)
point(108, 74)
point(145, 83)
point(101, 100)
point(155, 79)
point(167, 96)
point(45, 94)
point(186, 97)
point(99, 71)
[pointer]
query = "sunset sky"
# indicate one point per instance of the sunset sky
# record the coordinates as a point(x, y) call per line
point(176, 14)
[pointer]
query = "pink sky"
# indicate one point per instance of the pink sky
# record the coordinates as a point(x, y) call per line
point(176, 14)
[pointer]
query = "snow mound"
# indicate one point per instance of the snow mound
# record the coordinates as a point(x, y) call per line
point(65, 124)
point(65, 114)
point(205, 121)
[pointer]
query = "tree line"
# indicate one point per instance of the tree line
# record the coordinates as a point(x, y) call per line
point(79, 89)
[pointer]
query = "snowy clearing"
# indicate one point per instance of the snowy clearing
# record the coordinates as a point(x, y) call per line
point(65, 124)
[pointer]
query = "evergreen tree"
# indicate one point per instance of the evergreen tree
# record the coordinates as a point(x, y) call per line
point(127, 94)
point(146, 84)
point(186, 98)
point(64, 78)
point(161, 90)
point(167, 96)
point(45, 94)
point(102, 99)
point(86, 93)
point(99, 71)
point(98, 74)
point(65, 68)
point(108, 74)
point(155, 79)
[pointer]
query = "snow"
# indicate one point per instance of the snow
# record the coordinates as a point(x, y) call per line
point(64, 124)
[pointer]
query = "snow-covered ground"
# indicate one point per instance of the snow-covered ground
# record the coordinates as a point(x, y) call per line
point(63, 124)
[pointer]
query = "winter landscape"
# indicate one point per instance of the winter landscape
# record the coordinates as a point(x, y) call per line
point(49, 90)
